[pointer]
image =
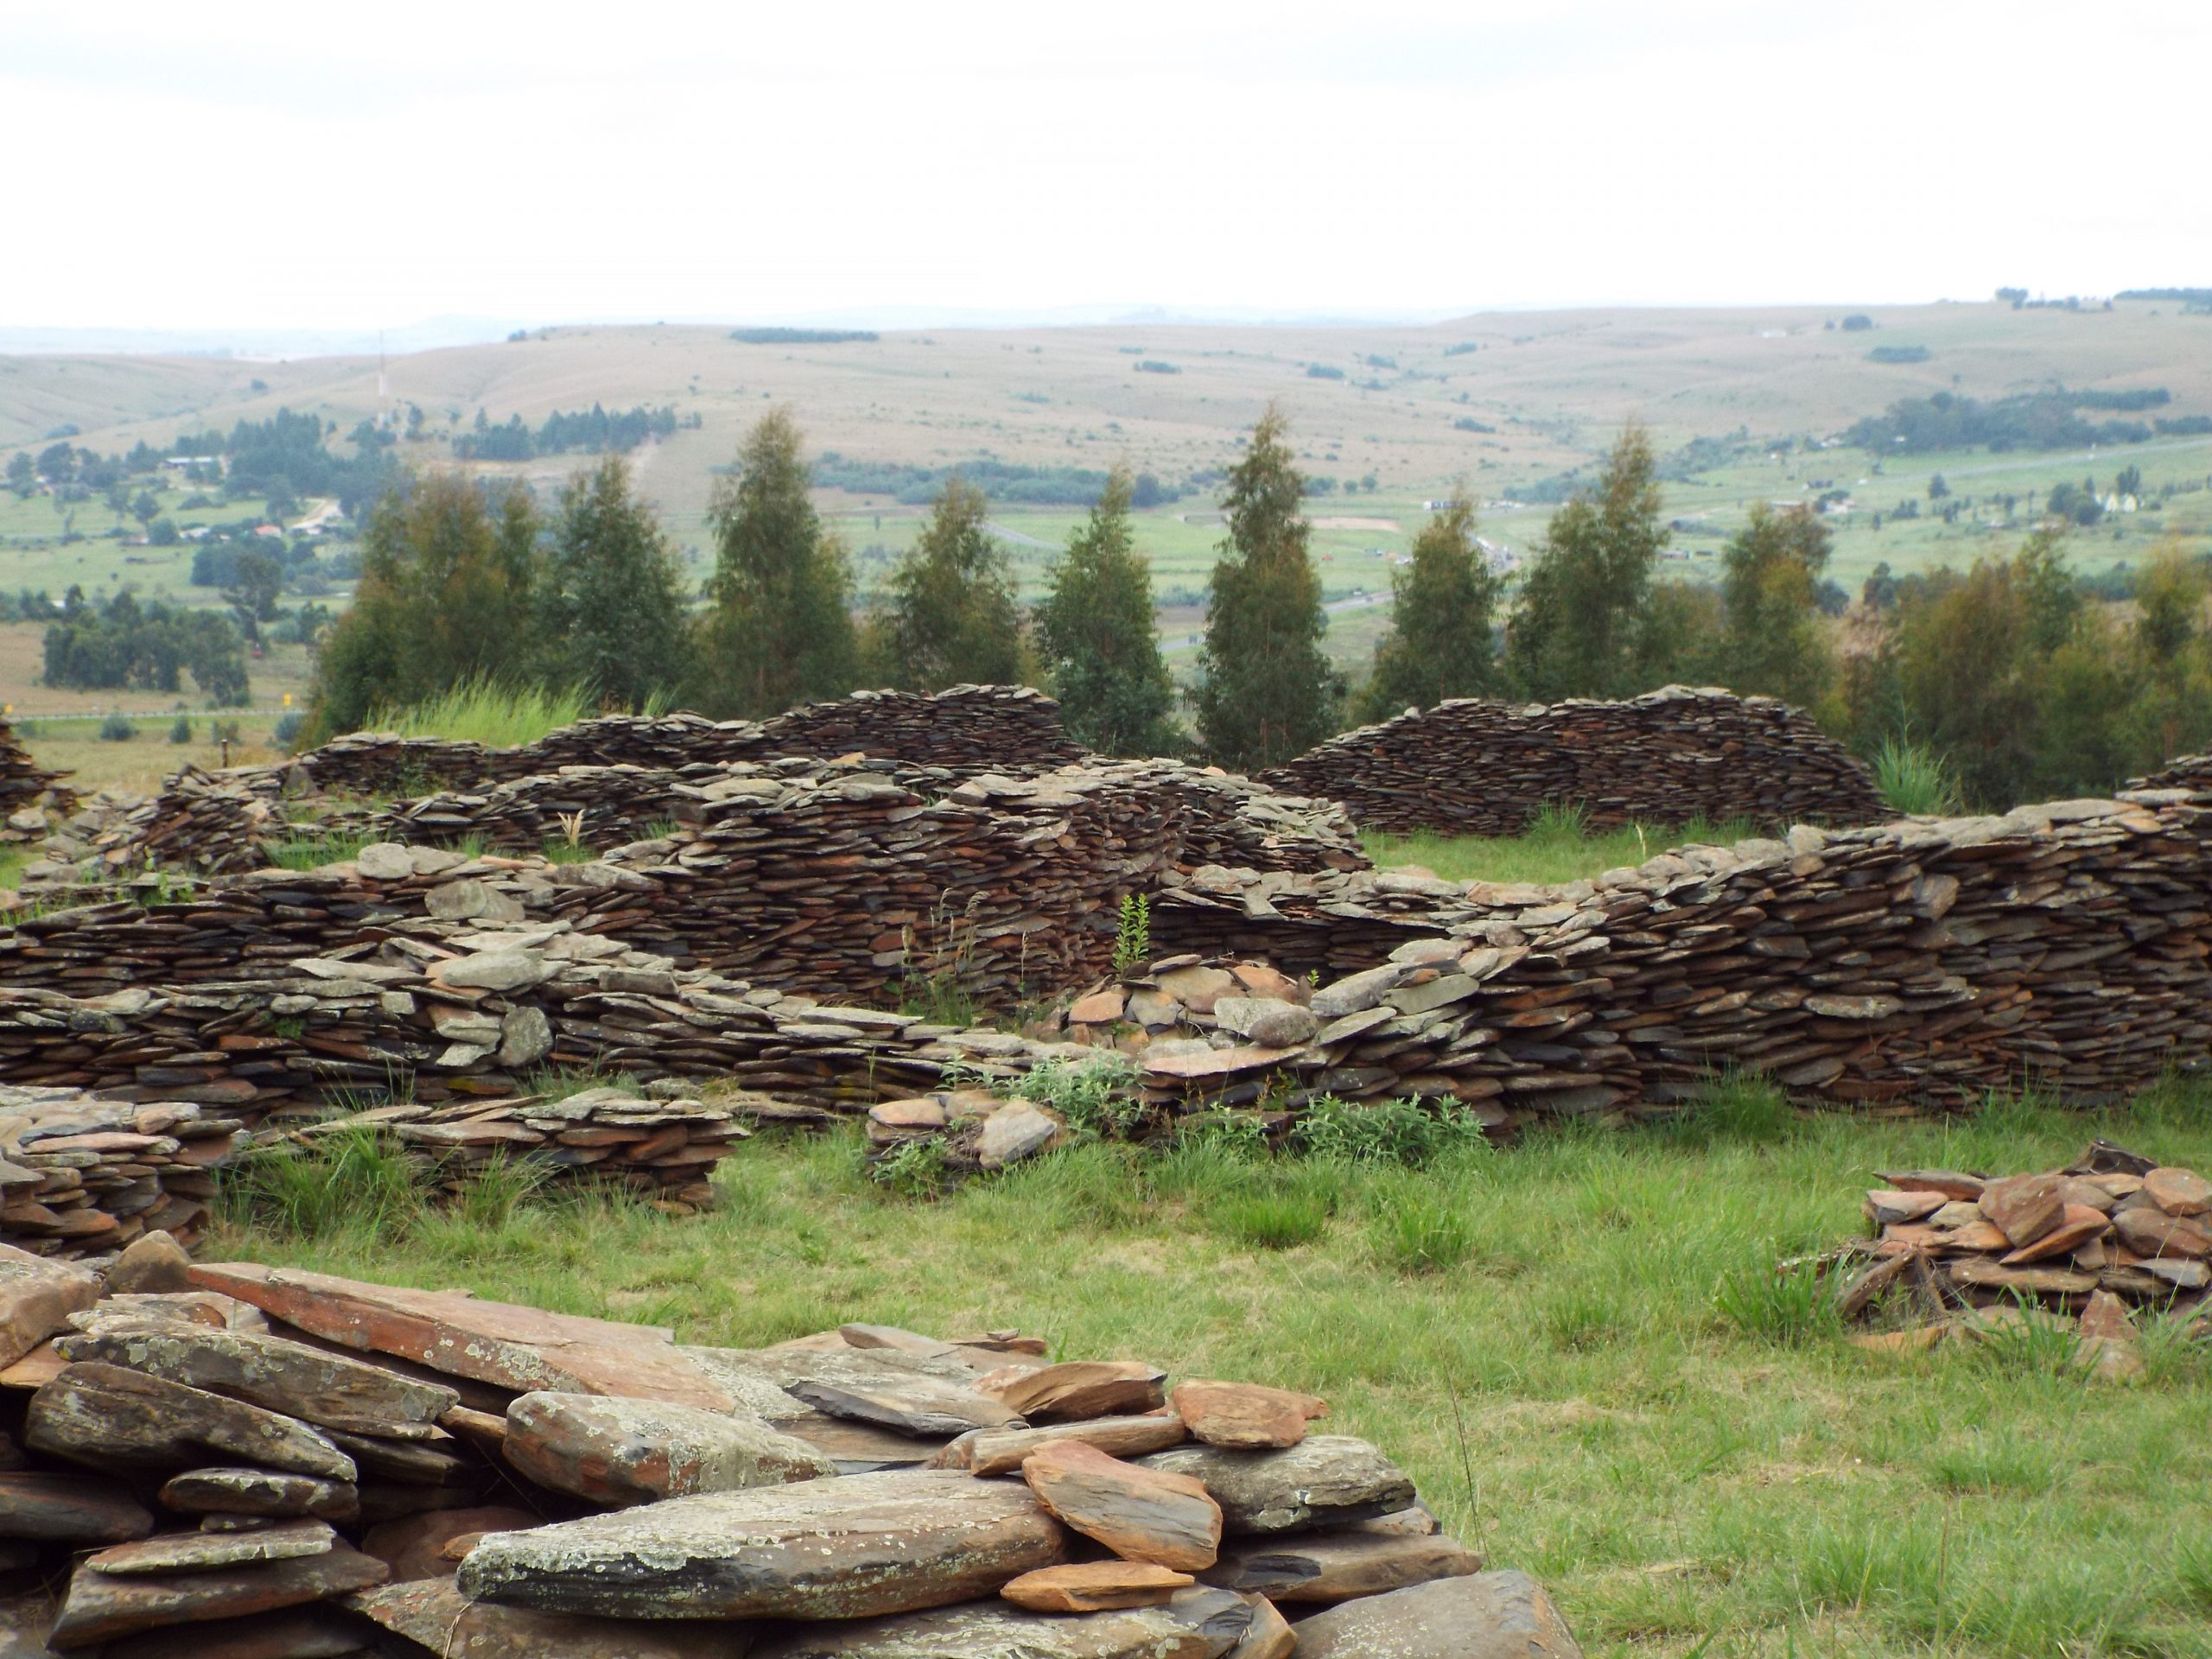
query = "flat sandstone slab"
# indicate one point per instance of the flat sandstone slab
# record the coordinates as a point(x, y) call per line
point(434, 1614)
point(851, 1548)
point(1487, 1616)
point(1323, 1478)
point(1197, 1625)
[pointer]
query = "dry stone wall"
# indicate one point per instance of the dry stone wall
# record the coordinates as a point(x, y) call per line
point(27, 790)
point(965, 728)
point(1475, 767)
point(2064, 946)
point(842, 880)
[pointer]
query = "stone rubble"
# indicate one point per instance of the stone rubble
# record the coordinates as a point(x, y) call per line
point(2107, 1242)
point(1471, 766)
point(284, 1464)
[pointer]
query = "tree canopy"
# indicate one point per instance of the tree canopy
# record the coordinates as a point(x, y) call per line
point(1095, 632)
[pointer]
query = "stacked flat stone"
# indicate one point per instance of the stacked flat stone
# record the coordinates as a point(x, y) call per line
point(842, 880)
point(80, 1175)
point(2093, 1253)
point(965, 728)
point(2067, 946)
point(241, 1458)
point(28, 792)
point(1469, 766)
point(662, 1149)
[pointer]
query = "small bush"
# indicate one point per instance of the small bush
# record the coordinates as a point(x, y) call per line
point(1559, 820)
point(180, 733)
point(1914, 779)
point(1095, 1097)
point(286, 733)
point(1405, 1133)
point(116, 729)
point(914, 1169)
point(1133, 935)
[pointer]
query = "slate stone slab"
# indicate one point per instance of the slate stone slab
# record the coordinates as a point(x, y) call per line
point(259, 1492)
point(1000, 1450)
point(109, 1417)
point(853, 1547)
point(500, 1343)
point(1327, 1568)
point(1197, 1625)
point(268, 1371)
point(101, 1607)
point(621, 1451)
point(1487, 1616)
point(202, 1552)
point(1325, 1478)
point(436, 1617)
point(70, 1509)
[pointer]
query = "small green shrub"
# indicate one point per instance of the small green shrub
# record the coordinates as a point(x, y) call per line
point(1094, 1097)
point(180, 733)
point(116, 729)
point(1914, 779)
point(914, 1169)
point(1132, 935)
point(1559, 820)
point(1218, 1128)
point(1791, 1306)
point(940, 999)
point(286, 733)
point(1403, 1132)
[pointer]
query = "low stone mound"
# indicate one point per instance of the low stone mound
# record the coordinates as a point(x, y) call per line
point(1471, 766)
point(286, 1462)
point(963, 730)
point(28, 792)
point(83, 1176)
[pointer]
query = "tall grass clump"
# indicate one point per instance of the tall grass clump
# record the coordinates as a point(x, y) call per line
point(349, 1182)
point(1789, 1306)
point(490, 712)
point(1914, 779)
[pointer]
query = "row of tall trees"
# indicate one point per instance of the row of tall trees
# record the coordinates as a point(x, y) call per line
point(2022, 682)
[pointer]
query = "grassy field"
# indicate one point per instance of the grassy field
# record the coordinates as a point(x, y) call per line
point(1555, 848)
point(1574, 1344)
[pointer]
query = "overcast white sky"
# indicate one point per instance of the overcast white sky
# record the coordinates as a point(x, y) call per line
point(220, 164)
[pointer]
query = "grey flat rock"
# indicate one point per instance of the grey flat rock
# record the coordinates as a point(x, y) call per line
point(1487, 1616)
point(1195, 1624)
point(1323, 1478)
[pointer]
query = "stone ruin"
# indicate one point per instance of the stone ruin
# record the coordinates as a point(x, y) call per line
point(1474, 767)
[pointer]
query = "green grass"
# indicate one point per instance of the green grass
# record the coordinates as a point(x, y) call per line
point(1544, 1334)
point(483, 711)
point(1556, 848)
point(1914, 779)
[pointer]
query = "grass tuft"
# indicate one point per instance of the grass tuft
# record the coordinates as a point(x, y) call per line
point(498, 715)
point(1915, 779)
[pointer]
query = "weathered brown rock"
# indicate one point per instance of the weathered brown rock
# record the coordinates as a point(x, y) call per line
point(1094, 1587)
point(416, 1546)
point(852, 1548)
point(101, 1607)
point(2149, 1231)
point(908, 1402)
point(309, 1383)
point(1487, 1616)
point(1141, 1514)
point(259, 1492)
point(203, 1552)
point(71, 1509)
point(1196, 1624)
point(1331, 1566)
point(1268, 1637)
point(1080, 1389)
point(620, 1452)
point(2077, 1225)
point(153, 1264)
point(2023, 1207)
point(1322, 1480)
point(435, 1616)
point(317, 1630)
point(514, 1347)
point(1245, 1414)
point(107, 1416)
point(2179, 1192)
point(1000, 1450)
point(36, 1299)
